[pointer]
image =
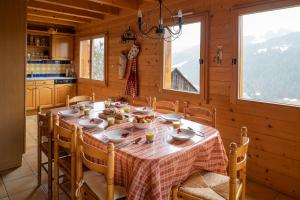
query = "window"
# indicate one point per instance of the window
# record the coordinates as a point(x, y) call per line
point(93, 58)
point(269, 61)
point(181, 59)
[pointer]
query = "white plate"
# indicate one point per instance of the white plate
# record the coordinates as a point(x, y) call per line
point(117, 136)
point(69, 113)
point(183, 135)
point(144, 110)
point(90, 123)
point(172, 117)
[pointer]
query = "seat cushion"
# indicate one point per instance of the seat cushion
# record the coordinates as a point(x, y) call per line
point(97, 183)
point(207, 185)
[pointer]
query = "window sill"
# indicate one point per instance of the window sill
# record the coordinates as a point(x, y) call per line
point(91, 81)
point(243, 101)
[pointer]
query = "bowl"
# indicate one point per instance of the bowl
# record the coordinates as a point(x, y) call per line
point(172, 117)
point(69, 113)
point(142, 125)
point(143, 110)
point(117, 136)
point(182, 134)
point(90, 123)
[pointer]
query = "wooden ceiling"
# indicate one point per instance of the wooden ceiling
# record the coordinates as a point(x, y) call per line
point(75, 12)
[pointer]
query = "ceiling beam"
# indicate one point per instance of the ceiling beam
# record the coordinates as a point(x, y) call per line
point(129, 4)
point(63, 10)
point(84, 5)
point(50, 21)
point(50, 15)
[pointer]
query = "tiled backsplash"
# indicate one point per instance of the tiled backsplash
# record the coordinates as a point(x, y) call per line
point(47, 67)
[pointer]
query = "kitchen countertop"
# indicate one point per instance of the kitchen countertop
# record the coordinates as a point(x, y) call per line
point(48, 78)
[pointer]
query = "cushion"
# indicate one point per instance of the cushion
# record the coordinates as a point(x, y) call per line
point(97, 183)
point(207, 185)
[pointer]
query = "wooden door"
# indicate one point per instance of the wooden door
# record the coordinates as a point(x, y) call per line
point(62, 47)
point(45, 95)
point(61, 92)
point(30, 98)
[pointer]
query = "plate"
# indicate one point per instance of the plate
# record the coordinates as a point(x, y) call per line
point(69, 113)
point(143, 110)
point(171, 117)
point(117, 136)
point(119, 104)
point(90, 123)
point(182, 134)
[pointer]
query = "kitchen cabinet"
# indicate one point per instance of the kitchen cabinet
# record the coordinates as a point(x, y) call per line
point(62, 47)
point(61, 91)
point(45, 95)
point(30, 97)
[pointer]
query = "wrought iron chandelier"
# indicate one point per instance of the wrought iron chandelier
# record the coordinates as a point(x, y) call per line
point(161, 31)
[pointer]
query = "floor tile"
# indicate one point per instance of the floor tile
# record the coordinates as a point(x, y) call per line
point(283, 197)
point(20, 185)
point(31, 194)
point(3, 192)
point(255, 191)
point(17, 173)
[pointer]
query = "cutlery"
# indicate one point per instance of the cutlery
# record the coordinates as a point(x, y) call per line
point(199, 133)
point(136, 141)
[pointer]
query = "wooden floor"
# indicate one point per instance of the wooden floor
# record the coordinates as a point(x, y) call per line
point(21, 183)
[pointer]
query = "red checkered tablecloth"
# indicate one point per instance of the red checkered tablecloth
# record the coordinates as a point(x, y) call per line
point(149, 171)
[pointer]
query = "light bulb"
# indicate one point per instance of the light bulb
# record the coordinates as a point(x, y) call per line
point(140, 14)
point(179, 13)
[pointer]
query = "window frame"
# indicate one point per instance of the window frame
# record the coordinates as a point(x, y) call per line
point(90, 79)
point(203, 94)
point(238, 11)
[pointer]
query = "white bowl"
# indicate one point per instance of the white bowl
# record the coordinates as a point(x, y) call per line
point(119, 104)
point(69, 113)
point(90, 123)
point(172, 117)
point(183, 135)
point(143, 110)
point(142, 125)
point(117, 136)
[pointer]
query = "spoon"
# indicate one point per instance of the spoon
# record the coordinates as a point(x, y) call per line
point(199, 133)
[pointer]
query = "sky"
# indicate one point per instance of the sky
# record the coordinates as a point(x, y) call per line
point(259, 24)
point(190, 37)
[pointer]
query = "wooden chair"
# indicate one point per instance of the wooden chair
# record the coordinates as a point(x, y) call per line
point(200, 114)
point(77, 99)
point(207, 185)
point(64, 140)
point(98, 180)
point(141, 101)
point(45, 145)
point(165, 106)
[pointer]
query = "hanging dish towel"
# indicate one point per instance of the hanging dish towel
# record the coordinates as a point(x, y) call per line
point(132, 82)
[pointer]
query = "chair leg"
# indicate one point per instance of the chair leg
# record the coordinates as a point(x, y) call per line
point(50, 170)
point(56, 178)
point(174, 193)
point(39, 156)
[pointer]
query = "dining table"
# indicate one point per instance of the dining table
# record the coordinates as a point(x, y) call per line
point(150, 170)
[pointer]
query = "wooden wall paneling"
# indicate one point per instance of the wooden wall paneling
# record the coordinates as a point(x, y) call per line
point(12, 86)
point(274, 130)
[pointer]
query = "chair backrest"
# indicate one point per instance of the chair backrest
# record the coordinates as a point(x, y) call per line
point(200, 114)
point(45, 123)
point(237, 167)
point(141, 101)
point(77, 99)
point(65, 138)
point(85, 155)
point(165, 106)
